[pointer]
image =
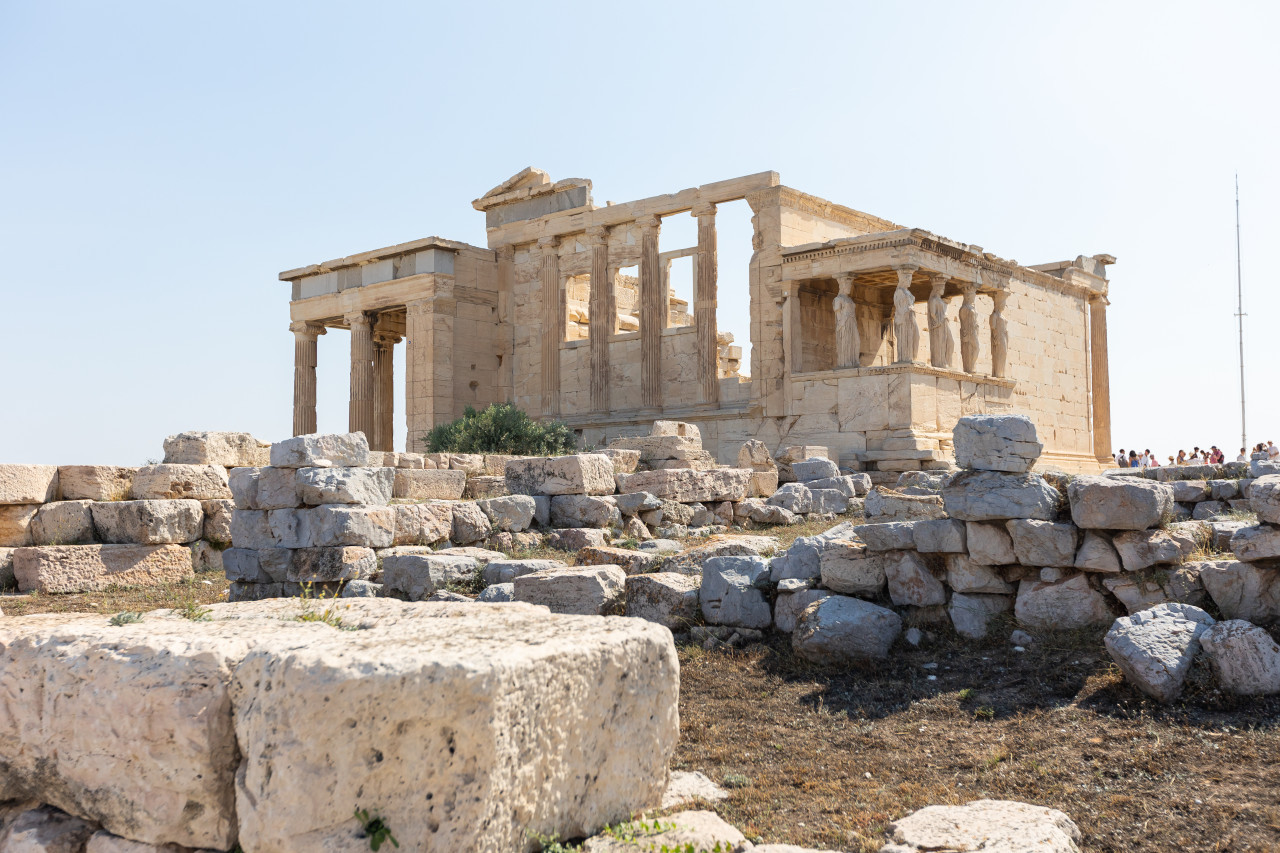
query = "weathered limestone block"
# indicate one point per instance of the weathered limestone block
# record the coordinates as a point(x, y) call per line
point(1256, 542)
point(849, 567)
point(577, 538)
point(497, 593)
point(89, 568)
point(322, 565)
point(1141, 592)
point(1189, 491)
point(586, 591)
point(632, 562)
point(910, 581)
point(205, 557)
point(732, 592)
point(1243, 590)
point(850, 485)
point(635, 503)
point(277, 563)
point(691, 562)
point(277, 488)
point(585, 511)
point(180, 482)
point(411, 460)
point(46, 830)
point(28, 484)
point(838, 630)
point(321, 451)
point(762, 513)
point(244, 592)
point(580, 474)
point(789, 605)
point(243, 483)
point(512, 513)
point(1097, 554)
point(15, 524)
point(1154, 648)
point(1141, 549)
point(1208, 510)
point(242, 565)
point(828, 501)
point(148, 522)
point(226, 449)
point(883, 505)
point(691, 830)
point(998, 826)
point(342, 485)
point(888, 535)
point(63, 523)
point(419, 574)
point(793, 497)
point(7, 579)
point(624, 460)
point(1063, 605)
point(802, 558)
point(989, 544)
point(687, 486)
point(818, 468)
point(1221, 490)
point(972, 613)
point(1043, 543)
point(429, 484)
point(762, 483)
point(939, 536)
point(1005, 443)
point(422, 524)
point(480, 487)
point(797, 453)
point(470, 524)
point(506, 571)
point(1110, 503)
point(755, 455)
point(1244, 658)
point(668, 598)
point(966, 575)
point(992, 496)
point(315, 527)
point(95, 482)
point(217, 521)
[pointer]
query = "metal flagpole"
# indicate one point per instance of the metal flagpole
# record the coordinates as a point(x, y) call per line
point(1240, 315)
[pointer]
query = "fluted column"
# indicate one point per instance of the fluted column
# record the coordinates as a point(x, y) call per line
point(1101, 377)
point(905, 327)
point(305, 358)
point(384, 404)
point(705, 301)
point(360, 418)
point(653, 314)
point(552, 325)
point(603, 314)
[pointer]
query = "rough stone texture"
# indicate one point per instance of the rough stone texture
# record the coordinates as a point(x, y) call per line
point(1256, 542)
point(939, 536)
point(46, 830)
point(688, 486)
point(839, 630)
point(685, 786)
point(422, 524)
point(1097, 554)
point(420, 484)
point(797, 453)
point(1141, 549)
point(243, 565)
point(1264, 498)
point(580, 474)
point(511, 513)
point(331, 524)
point(217, 521)
point(888, 536)
point(992, 496)
point(847, 566)
point(910, 581)
point(829, 501)
point(277, 488)
point(15, 524)
point(418, 574)
point(498, 592)
point(28, 484)
point(148, 522)
point(818, 468)
point(584, 511)
point(227, 449)
point(180, 482)
point(1154, 648)
point(789, 605)
point(631, 561)
point(793, 497)
point(732, 592)
point(63, 523)
point(321, 451)
point(967, 576)
point(587, 591)
point(1005, 443)
point(624, 460)
point(1243, 590)
point(690, 562)
point(470, 524)
point(89, 568)
point(1110, 503)
point(1245, 659)
point(243, 483)
point(324, 565)
point(1063, 605)
point(1043, 543)
point(971, 614)
point(668, 598)
point(989, 544)
point(882, 506)
point(95, 482)
point(341, 485)
point(637, 502)
point(577, 538)
point(850, 485)
point(480, 487)
point(7, 579)
point(991, 826)
point(694, 831)
point(1189, 491)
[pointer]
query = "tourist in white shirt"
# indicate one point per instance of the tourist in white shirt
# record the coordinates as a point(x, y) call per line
point(1273, 452)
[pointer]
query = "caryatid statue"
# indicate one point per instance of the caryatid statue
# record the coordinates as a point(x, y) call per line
point(904, 317)
point(969, 327)
point(942, 346)
point(999, 334)
point(848, 341)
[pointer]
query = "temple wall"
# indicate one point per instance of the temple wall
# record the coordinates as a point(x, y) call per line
point(481, 369)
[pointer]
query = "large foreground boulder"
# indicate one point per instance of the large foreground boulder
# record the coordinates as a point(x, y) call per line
point(492, 721)
point(1154, 648)
point(840, 630)
point(996, 443)
point(1111, 503)
point(732, 592)
point(1245, 659)
point(991, 826)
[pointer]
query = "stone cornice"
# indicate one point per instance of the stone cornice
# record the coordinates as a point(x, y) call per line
point(375, 255)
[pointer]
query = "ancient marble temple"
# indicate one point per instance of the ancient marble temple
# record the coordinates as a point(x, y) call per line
point(867, 337)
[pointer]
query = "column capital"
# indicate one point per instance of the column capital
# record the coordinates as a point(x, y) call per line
point(939, 278)
point(999, 297)
point(357, 318)
point(905, 271)
point(970, 289)
point(598, 235)
point(648, 223)
point(507, 252)
point(383, 338)
point(1100, 300)
point(306, 330)
point(845, 280)
point(706, 208)
point(547, 244)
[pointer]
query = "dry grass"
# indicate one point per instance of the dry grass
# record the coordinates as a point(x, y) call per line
point(202, 589)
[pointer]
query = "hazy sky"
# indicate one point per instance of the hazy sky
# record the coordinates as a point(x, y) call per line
point(160, 163)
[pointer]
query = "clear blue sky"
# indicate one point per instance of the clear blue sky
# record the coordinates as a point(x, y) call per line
point(160, 163)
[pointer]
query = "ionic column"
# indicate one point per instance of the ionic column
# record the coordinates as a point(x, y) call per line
point(384, 406)
point(603, 315)
point(969, 344)
point(653, 314)
point(905, 327)
point(705, 300)
point(305, 358)
point(552, 325)
point(360, 417)
point(999, 334)
point(1101, 377)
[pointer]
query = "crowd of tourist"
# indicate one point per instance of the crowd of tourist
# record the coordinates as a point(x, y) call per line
point(1212, 456)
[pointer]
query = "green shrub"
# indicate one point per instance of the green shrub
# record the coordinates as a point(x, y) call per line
point(501, 428)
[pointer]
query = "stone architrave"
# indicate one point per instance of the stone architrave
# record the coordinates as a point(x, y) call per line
point(942, 345)
point(904, 317)
point(999, 334)
point(305, 359)
point(553, 319)
point(848, 341)
point(705, 301)
point(602, 316)
point(969, 327)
